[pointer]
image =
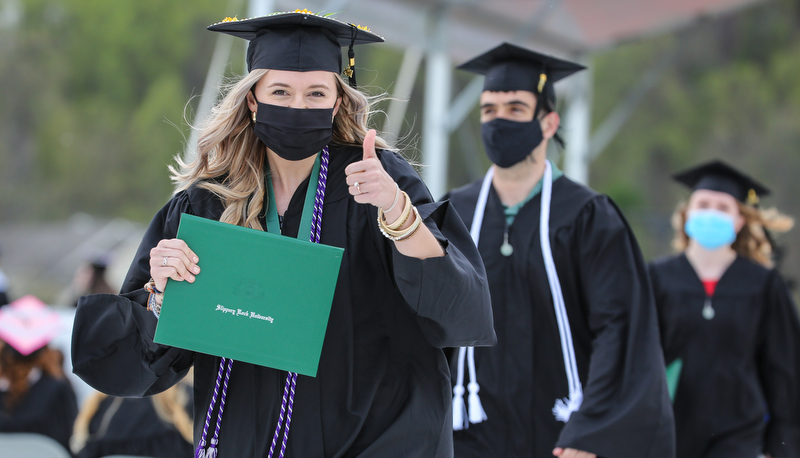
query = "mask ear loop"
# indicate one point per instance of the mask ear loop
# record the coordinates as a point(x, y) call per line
point(350, 70)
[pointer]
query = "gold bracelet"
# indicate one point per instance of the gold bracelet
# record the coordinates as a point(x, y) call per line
point(396, 198)
point(403, 216)
point(413, 229)
point(397, 236)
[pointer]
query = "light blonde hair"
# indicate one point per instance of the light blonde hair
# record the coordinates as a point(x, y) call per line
point(231, 161)
point(170, 406)
point(751, 241)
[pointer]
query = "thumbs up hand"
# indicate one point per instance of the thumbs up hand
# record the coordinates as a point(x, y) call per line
point(368, 181)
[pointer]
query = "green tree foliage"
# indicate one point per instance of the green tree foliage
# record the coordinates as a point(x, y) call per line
point(731, 93)
point(93, 102)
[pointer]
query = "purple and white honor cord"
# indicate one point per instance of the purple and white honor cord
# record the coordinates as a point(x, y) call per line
point(226, 365)
point(211, 451)
point(287, 402)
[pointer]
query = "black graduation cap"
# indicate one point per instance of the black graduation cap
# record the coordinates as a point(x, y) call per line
point(719, 176)
point(298, 41)
point(510, 68)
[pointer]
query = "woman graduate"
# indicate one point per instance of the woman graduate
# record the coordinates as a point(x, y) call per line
point(410, 284)
point(728, 321)
point(35, 396)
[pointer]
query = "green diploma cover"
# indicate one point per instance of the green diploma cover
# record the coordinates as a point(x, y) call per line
point(260, 298)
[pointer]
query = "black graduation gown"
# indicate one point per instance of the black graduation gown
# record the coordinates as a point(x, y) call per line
point(49, 408)
point(383, 386)
point(737, 367)
point(131, 426)
point(625, 410)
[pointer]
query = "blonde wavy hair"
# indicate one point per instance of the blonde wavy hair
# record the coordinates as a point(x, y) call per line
point(751, 241)
point(170, 406)
point(231, 160)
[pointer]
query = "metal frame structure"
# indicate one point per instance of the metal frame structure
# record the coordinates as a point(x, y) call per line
point(448, 31)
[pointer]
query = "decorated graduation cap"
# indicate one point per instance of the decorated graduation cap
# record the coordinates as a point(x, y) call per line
point(509, 68)
point(719, 176)
point(299, 41)
point(27, 324)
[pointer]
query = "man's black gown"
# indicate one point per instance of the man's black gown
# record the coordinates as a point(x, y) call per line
point(739, 368)
point(383, 385)
point(625, 410)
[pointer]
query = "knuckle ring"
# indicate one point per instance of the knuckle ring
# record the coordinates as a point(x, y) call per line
point(358, 186)
point(164, 263)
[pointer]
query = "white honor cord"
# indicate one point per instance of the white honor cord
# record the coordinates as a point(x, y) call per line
point(563, 408)
point(480, 206)
point(476, 412)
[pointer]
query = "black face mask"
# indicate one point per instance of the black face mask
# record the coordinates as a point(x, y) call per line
point(509, 142)
point(294, 133)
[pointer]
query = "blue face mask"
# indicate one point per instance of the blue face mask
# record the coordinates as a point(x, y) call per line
point(710, 228)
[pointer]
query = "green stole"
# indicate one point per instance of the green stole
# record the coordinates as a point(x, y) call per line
point(273, 225)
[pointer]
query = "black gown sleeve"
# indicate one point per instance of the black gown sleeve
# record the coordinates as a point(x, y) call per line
point(112, 338)
point(449, 295)
point(625, 410)
point(779, 369)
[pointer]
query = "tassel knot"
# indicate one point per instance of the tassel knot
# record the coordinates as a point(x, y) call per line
point(459, 409)
point(563, 408)
point(476, 412)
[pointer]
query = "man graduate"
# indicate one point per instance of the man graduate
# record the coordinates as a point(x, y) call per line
point(578, 370)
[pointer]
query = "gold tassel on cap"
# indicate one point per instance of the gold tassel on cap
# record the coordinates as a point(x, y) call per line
point(542, 80)
point(752, 197)
point(350, 71)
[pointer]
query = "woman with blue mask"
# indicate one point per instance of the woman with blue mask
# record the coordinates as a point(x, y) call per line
point(288, 151)
point(729, 327)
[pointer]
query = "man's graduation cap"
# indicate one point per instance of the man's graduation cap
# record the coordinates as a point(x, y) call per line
point(719, 176)
point(509, 68)
point(299, 41)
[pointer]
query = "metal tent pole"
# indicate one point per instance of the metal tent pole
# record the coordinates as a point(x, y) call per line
point(438, 73)
point(577, 126)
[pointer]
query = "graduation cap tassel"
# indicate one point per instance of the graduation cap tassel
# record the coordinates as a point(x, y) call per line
point(350, 71)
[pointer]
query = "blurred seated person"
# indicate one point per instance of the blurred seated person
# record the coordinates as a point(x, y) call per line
point(91, 279)
point(35, 396)
point(157, 426)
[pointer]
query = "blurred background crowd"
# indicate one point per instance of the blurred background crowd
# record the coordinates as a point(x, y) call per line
point(97, 98)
